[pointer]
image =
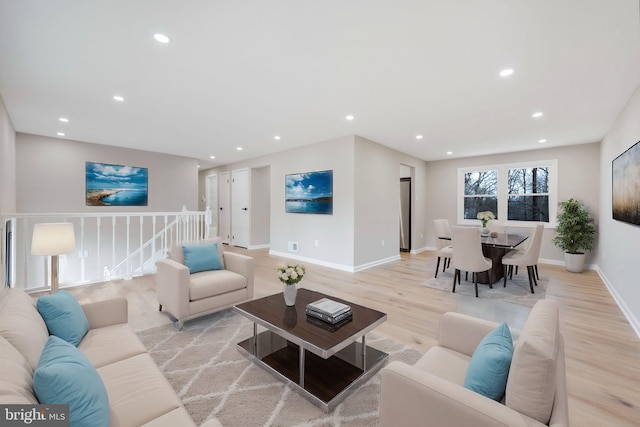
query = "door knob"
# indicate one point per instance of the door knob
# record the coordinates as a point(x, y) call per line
point(244, 209)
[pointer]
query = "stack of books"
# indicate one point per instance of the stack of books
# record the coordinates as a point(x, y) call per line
point(329, 311)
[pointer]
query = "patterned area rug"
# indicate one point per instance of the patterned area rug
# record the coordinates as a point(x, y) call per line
point(212, 378)
point(516, 292)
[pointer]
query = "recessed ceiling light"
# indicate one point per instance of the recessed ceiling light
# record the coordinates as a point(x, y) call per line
point(542, 141)
point(449, 153)
point(239, 148)
point(537, 114)
point(418, 136)
point(212, 157)
point(161, 38)
point(506, 72)
point(198, 166)
point(63, 120)
point(60, 134)
point(118, 98)
point(277, 137)
point(349, 117)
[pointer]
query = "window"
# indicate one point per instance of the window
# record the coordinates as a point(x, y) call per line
point(516, 193)
point(480, 193)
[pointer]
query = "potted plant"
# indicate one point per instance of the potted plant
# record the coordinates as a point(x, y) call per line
point(576, 233)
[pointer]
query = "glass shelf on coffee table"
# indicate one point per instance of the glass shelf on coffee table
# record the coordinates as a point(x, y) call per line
point(323, 362)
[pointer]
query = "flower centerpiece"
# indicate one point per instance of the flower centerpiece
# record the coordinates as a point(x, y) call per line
point(485, 217)
point(290, 275)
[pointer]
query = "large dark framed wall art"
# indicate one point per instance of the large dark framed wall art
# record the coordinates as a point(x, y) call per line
point(116, 185)
point(309, 192)
point(626, 186)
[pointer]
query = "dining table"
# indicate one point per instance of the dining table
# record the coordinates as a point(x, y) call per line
point(495, 246)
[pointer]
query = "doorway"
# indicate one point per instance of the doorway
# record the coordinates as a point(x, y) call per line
point(405, 214)
point(212, 202)
point(224, 208)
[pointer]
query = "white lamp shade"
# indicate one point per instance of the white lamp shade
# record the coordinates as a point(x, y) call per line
point(53, 238)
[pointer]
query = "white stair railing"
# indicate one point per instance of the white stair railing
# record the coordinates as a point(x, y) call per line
point(108, 246)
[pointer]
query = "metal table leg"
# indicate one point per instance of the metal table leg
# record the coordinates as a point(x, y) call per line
point(364, 354)
point(255, 339)
point(301, 383)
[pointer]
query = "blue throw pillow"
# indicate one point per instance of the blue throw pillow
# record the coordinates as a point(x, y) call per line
point(65, 376)
point(64, 316)
point(202, 257)
point(489, 366)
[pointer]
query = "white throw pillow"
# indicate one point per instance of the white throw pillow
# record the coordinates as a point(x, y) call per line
point(532, 377)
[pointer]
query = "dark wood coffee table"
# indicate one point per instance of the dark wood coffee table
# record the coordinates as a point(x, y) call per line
point(323, 362)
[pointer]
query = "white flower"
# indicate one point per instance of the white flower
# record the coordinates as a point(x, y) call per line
point(290, 274)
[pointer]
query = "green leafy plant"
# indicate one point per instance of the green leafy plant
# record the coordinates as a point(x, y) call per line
point(575, 227)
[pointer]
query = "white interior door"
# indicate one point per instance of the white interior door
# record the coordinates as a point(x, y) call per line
point(224, 206)
point(240, 219)
point(212, 202)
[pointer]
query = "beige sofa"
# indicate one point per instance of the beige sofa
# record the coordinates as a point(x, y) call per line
point(186, 296)
point(431, 393)
point(139, 395)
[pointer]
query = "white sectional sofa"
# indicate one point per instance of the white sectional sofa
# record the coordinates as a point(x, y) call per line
point(138, 393)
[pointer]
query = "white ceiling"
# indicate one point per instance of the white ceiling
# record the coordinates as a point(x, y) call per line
point(237, 73)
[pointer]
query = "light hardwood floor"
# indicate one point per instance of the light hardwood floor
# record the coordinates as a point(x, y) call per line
point(602, 350)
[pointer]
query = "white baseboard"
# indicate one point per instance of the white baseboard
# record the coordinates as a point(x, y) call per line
point(631, 318)
point(265, 246)
point(417, 251)
point(342, 267)
point(349, 268)
point(376, 263)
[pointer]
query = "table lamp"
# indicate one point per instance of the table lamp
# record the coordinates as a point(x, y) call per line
point(53, 239)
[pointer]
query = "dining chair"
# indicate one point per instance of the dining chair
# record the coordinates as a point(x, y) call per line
point(444, 249)
point(525, 258)
point(468, 256)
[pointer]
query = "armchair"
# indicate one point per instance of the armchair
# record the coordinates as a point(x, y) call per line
point(431, 393)
point(186, 296)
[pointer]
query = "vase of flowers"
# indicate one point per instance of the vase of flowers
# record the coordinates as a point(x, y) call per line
point(485, 217)
point(290, 276)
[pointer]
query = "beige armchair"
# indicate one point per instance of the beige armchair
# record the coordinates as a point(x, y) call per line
point(431, 393)
point(186, 296)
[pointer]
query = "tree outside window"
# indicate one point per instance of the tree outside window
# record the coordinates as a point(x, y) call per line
point(480, 193)
point(528, 198)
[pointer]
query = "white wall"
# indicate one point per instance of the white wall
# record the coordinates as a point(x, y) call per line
point(51, 176)
point(578, 177)
point(7, 162)
point(620, 242)
point(367, 207)
point(377, 201)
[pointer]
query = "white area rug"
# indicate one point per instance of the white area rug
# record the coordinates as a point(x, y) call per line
point(516, 292)
point(213, 379)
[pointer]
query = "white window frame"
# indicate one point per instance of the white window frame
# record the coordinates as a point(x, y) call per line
point(503, 195)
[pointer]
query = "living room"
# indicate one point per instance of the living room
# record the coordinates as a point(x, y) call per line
point(42, 173)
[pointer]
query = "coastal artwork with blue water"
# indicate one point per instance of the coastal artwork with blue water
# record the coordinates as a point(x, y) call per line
point(309, 193)
point(116, 185)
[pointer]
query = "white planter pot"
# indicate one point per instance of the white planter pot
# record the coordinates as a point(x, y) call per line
point(574, 262)
point(290, 292)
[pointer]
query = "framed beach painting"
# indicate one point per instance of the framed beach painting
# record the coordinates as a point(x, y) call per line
point(116, 185)
point(309, 192)
point(626, 186)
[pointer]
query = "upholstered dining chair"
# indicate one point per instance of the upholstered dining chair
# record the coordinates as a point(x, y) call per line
point(467, 255)
point(444, 249)
point(525, 258)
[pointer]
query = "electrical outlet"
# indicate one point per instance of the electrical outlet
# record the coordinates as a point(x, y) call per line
point(382, 242)
point(316, 243)
point(293, 246)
